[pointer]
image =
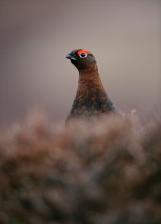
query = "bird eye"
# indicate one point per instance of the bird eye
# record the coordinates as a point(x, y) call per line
point(83, 55)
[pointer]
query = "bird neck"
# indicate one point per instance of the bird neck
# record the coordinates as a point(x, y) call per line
point(89, 81)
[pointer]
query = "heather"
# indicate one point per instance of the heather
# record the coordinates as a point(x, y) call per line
point(97, 172)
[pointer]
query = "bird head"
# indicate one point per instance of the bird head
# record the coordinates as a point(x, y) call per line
point(82, 59)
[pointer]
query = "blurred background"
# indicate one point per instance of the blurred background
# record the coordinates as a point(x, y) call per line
point(35, 36)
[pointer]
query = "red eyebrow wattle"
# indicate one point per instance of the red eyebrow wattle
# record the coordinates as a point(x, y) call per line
point(83, 52)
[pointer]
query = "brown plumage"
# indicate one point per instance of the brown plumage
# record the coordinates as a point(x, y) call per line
point(91, 98)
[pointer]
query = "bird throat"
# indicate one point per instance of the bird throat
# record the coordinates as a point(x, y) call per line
point(89, 83)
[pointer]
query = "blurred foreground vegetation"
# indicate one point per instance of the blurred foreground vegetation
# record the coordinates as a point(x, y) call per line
point(104, 172)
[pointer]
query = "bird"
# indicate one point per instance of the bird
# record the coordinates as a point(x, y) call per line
point(91, 99)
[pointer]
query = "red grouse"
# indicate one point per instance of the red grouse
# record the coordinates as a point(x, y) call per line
point(91, 98)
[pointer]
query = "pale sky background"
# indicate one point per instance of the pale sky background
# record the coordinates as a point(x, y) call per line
point(35, 36)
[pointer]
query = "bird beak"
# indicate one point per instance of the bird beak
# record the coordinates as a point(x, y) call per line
point(68, 56)
point(71, 57)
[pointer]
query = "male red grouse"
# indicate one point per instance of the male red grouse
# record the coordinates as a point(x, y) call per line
point(91, 98)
